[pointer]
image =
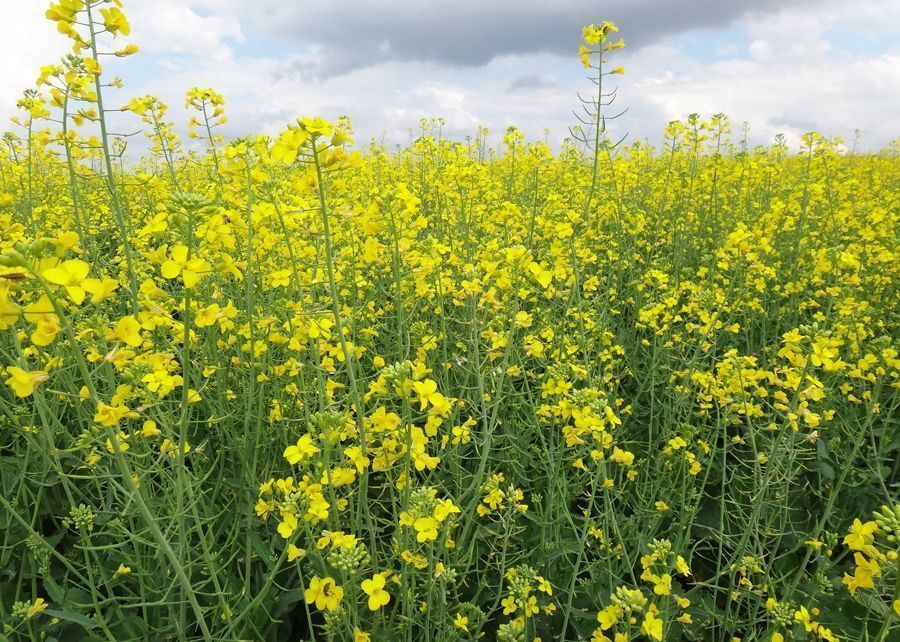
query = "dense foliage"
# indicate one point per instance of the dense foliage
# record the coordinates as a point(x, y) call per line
point(275, 389)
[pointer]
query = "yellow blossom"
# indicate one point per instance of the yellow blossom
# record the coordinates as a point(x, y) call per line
point(374, 588)
point(23, 382)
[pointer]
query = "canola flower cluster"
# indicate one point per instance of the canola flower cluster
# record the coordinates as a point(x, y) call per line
point(277, 388)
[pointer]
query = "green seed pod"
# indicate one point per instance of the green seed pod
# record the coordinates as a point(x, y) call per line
point(13, 258)
point(39, 247)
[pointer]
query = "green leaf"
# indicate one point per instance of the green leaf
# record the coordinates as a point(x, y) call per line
point(75, 618)
point(873, 604)
point(262, 549)
point(55, 591)
point(824, 468)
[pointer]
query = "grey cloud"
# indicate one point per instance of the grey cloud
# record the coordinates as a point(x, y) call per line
point(530, 82)
point(794, 121)
point(352, 34)
point(303, 69)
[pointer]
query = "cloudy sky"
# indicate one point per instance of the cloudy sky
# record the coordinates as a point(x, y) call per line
point(782, 65)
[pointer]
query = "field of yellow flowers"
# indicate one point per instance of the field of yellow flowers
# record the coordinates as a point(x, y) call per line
point(277, 389)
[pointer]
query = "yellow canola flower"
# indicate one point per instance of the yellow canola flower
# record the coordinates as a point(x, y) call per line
point(64, 10)
point(864, 575)
point(428, 394)
point(287, 146)
point(71, 275)
point(127, 331)
point(115, 22)
point(23, 382)
point(861, 537)
point(584, 56)
point(543, 276)
point(150, 429)
point(37, 607)
point(288, 525)
point(161, 382)
point(9, 311)
point(191, 270)
point(374, 588)
point(100, 290)
point(302, 451)
point(207, 316)
point(426, 529)
point(652, 626)
point(110, 415)
point(46, 331)
point(317, 126)
point(128, 50)
point(324, 593)
point(92, 67)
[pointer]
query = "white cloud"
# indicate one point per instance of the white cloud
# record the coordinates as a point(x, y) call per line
point(159, 27)
point(174, 26)
point(471, 33)
point(791, 80)
point(793, 70)
point(31, 41)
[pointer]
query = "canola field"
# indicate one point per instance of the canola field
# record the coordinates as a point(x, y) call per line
point(294, 387)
